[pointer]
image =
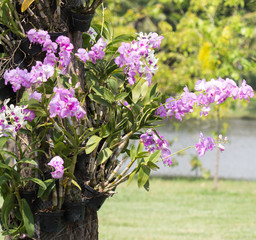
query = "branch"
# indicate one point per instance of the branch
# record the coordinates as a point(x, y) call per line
point(41, 12)
point(95, 4)
point(112, 175)
point(87, 4)
point(32, 14)
point(58, 128)
point(92, 168)
point(5, 42)
point(48, 10)
point(122, 144)
point(58, 3)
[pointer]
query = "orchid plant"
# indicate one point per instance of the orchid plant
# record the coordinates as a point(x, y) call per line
point(63, 123)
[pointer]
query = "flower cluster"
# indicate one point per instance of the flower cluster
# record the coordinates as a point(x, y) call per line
point(138, 57)
point(209, 143)
point(65, 52)
point(179, 107)
point(39, 37)
point(94, 54)
point(153, 142)
point(17, 78)
point(35, 95)
point(12, 118)
point(204, 144)
point(64, 104)
point(42, 37)
point(214, 91)
point(42, 71)
point(38, 74)
point(57, 162)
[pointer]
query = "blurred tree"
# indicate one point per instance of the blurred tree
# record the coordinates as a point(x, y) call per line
point(203, 39)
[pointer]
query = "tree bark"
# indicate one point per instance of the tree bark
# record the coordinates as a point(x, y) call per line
point(86, 230)
point(217, 158)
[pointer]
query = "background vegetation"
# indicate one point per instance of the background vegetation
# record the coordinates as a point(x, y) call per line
point(203, 39)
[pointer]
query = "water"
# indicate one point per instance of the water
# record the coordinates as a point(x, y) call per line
point(238, 161)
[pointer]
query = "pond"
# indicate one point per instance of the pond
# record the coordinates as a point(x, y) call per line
point(238, 161)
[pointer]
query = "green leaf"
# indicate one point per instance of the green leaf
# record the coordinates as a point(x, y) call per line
point(153, 91)
point(27, 160)
point(28, 218)
point(97, 27)
point(36, 180)
point(133, 153)
point(4, 178)
point(9, 153)
point(144, 117)
point(104, 155)
point(121, 96)
point(109, 28)
point(104, 131)
point(131, 177)
point(36, 151)
point(5, 166)
point(111, 69)
point(8, 205)
point(3, 141)
point(136, 92)
point(121, 38)
point(105, 93)
point(14, 230)
point(99, 99)
point(139, 90)
point(92, 143)
point(61, 148)
point(130, 116)
point(154, 156)
point(152, 165)
point(47, 88)
point(143, 175)
point(76, 184)
point(113, 84)
point(44, 194)
point(143, 154)
point(144, 89)
point(74, 80)
point(146, 186)
point(140, 147)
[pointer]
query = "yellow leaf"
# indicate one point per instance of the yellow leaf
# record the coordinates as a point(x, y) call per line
point(226, 35)
point(25, 5)
point(205, 57)
point(76, 184)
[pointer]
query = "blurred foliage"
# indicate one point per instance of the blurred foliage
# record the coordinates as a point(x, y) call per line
point(203, 39)
point(196, 166)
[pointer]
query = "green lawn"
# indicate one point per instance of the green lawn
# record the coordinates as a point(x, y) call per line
point(181, 209)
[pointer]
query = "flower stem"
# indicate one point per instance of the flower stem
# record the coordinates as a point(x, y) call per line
point(182, 150)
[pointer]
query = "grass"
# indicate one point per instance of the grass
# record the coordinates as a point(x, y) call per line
point(180, 209)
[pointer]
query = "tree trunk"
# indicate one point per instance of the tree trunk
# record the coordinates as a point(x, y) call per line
point(217, 158)
point(86, 230)
point(216, 174)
